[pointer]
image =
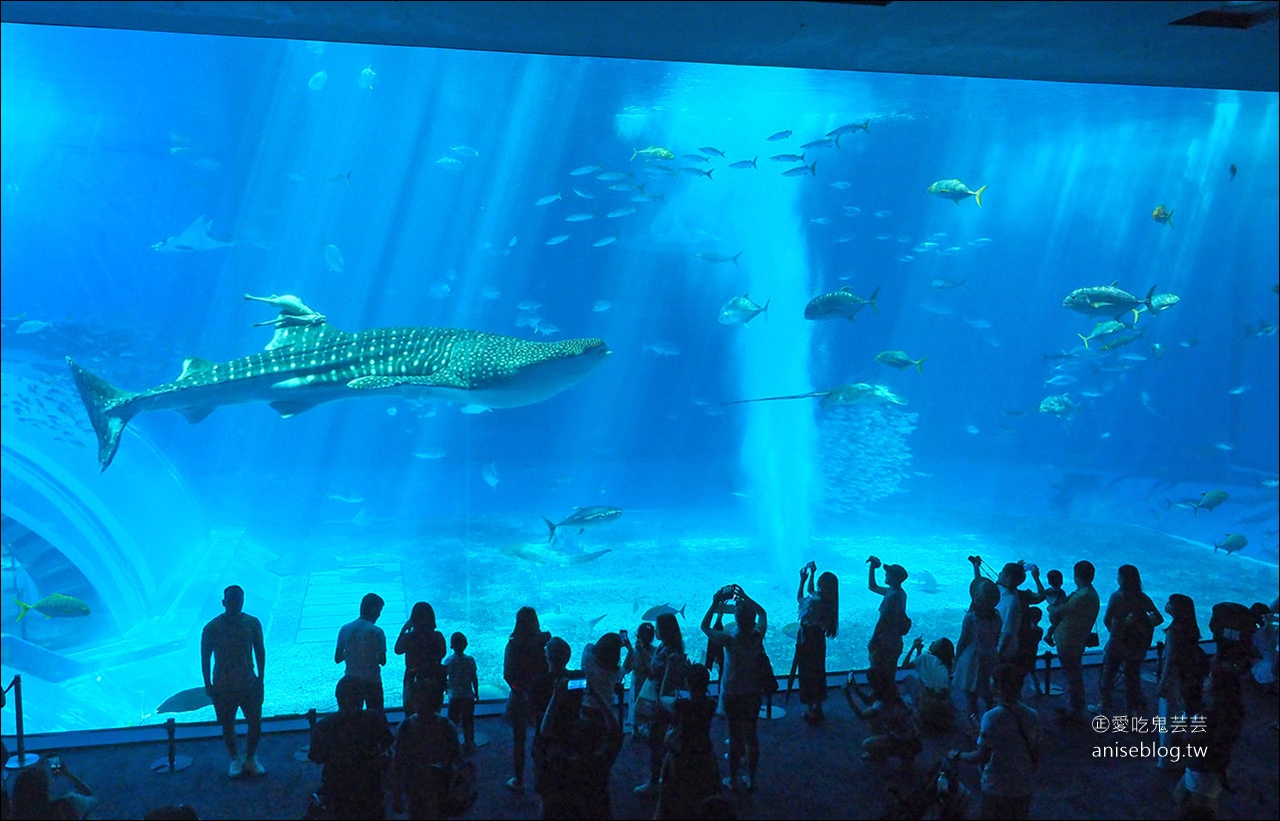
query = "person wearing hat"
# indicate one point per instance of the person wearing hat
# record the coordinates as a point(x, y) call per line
point(885, 646)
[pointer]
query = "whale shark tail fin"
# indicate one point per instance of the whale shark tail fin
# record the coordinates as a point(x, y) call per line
point(108, 409)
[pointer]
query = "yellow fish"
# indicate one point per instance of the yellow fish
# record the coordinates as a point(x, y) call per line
point(655, 151)
point(1162, 215)
point(55, 606)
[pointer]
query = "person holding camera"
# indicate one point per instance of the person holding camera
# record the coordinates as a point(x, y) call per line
point(819, 620)
point(32, 793)
point(741, 685)
point(1073, 633)
point(885, 646)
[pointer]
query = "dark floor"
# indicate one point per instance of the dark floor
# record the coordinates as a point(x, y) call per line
point(805, 772)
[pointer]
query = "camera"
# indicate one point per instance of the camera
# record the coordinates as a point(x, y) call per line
point(726, 592)
point(55, 763)
point(975, 560)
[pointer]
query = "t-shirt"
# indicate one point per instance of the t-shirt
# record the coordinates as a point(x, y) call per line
point(1010, 610)
point(933, 673)
point(1009, 772)
point(364, 648)
point(461, 672)
point(231, 640)
point(743, 654)
point(1078, 614)
point(601, 679)
point(892, 624)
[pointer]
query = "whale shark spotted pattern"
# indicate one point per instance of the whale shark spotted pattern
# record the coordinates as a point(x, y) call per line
point(304, 366)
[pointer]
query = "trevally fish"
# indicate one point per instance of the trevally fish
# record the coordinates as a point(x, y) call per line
point(57, 605)
point(655, 151)
point(841, 304)
point(810, 170)
point(740, 310)
point(584, 517)
point(1233, 543)
point(751, 163)
point(308, 363)
point(780, 135)
point(1106, 300)
point(662, 609)
point(1060, 406)
point(955, 191)
point(900, 360)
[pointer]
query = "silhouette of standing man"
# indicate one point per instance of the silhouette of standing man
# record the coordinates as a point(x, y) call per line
point(363, 646)
point(233, 641)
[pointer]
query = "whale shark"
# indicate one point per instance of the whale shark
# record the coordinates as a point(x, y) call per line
point(309, 362)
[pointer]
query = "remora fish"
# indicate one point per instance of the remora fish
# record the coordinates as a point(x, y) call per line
point(839, 304)
point(540, 554)
point(306, 365)
point(584, 517)
point(54, 606)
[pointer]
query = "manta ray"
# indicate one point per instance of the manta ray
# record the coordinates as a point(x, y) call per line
point(308, 362)
point(195, 237)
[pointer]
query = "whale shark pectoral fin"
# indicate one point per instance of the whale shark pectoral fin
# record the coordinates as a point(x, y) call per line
point(195, 414)
point(287, 408)
point(195, 365)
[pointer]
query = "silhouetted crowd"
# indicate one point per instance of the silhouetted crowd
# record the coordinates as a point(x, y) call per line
point(570, 722)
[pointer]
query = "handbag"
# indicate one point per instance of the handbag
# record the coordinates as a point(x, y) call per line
point(667, 692)
point(768, 679)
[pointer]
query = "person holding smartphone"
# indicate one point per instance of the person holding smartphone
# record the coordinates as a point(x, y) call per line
point(33, 787)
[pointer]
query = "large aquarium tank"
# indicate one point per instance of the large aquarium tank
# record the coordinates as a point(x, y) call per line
point(600, 336)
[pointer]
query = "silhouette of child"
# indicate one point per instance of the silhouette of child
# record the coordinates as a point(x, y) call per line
point(1054, 596)
point(464, 690)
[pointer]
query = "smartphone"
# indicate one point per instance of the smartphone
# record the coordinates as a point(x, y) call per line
point(577, 684)
point(55, 763)
point(622, 634)
point(682, 694)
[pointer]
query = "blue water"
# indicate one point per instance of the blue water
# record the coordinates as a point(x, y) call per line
point(422, 168)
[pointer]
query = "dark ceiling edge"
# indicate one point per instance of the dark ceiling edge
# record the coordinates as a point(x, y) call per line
point(1122, 43)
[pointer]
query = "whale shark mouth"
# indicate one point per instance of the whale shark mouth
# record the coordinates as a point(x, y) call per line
point(309, 362)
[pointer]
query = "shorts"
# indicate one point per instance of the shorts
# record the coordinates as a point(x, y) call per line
point(244, 697)
point(741, 707)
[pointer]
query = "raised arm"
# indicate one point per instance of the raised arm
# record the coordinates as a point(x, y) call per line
point(762, 618)
point(340, 652)
point(804, 574)
point(1038, 596)
point(714, 634)
point(402, 640)
point(872, 564)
